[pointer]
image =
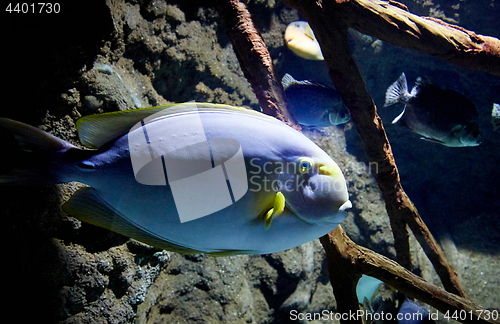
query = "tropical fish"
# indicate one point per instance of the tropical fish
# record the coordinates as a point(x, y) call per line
point(148, 168)
point(439, 115)
point(300, 39)
point(314, 104)
point(495, 116)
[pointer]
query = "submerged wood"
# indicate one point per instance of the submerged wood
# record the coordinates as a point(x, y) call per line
point(346, 260)
point(343, 253)
point(330, 21)
point(391, 22)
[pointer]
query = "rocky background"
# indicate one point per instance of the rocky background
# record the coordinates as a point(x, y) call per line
point(119, 54)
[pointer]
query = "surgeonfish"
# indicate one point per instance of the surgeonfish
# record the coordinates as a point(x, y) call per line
point(300, 39)
point(439, 115)
point(314, 104)
point(495, 116)
point(270, 187)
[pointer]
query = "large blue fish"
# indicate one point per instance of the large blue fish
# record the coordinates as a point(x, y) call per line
point(189, 177)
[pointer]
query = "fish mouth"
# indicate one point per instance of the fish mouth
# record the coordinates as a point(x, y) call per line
point(345, 206)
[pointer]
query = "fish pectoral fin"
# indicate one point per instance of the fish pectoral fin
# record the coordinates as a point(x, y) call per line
point(89, 207)
point(278, 208)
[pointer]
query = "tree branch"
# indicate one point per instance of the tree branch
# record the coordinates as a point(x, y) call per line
point(393, 24)
point(330, 21)
point(346, 260)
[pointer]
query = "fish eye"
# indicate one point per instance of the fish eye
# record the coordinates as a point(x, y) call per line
point(305, 165)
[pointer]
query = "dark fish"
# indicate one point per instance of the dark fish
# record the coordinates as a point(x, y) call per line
point(439, 115)
point(314, 104)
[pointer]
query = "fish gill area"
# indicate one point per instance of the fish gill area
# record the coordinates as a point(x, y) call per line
point(134, 54)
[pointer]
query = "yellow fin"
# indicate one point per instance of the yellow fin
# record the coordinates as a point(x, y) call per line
point(89, 207)
point(278, 208)
point(96, 130)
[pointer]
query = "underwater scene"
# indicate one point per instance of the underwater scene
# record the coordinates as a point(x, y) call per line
point(257, 161)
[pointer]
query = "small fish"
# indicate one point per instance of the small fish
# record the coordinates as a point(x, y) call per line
point(300, 39)
point(147, 167)
point(439, 115)
point(314, 104)
point(495, 116)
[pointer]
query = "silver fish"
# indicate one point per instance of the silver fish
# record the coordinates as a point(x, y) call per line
point(439, 115)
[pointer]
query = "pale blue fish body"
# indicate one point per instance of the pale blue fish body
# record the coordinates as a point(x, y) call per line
point(149, 214)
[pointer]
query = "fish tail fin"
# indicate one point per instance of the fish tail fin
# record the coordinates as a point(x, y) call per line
point(29, 154)
point(397, 91)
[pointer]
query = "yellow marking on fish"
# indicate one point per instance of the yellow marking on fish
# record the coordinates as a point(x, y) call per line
point(278, 208)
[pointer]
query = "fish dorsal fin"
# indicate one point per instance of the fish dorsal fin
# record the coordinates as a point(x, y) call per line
point(287, 81)
point(495, 116)
point(397, 91)
point(89, 207)
point(97, 130)
point(423, 82)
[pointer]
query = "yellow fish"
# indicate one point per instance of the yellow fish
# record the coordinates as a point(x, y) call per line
point(300, 39)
